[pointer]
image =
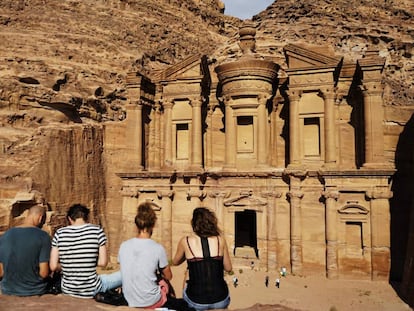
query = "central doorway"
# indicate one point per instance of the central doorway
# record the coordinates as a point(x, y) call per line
point(246, 230)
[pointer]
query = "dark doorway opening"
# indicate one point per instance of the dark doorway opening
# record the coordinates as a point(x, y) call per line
point(246, 230)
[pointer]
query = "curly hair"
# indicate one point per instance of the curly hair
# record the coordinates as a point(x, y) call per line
point(146, 217)
point(204, 222)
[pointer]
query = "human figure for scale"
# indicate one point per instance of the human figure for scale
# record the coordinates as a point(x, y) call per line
point(277, 283)
point(235, 281)
point(267, 281)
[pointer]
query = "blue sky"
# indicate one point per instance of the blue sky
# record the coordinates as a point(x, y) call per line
point(244, 9)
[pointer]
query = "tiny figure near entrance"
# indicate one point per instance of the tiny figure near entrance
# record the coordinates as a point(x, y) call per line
point(235, 281)
point(277, 283)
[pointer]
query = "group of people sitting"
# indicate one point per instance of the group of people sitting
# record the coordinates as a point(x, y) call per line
point(28, 257)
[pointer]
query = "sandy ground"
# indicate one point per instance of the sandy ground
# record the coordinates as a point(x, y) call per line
point(307, 293)
point(295, 293)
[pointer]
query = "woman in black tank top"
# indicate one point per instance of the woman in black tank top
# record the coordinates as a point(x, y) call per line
point(207, 258)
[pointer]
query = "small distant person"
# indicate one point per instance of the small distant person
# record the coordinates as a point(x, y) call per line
point(252, 265)
point(207, 258)
point(235, 281)
point(141, 258)
point(267, 281)
point(77, 250)
point(24, 256)
point(278, 283)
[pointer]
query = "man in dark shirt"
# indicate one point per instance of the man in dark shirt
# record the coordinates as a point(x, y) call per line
point(24, 256)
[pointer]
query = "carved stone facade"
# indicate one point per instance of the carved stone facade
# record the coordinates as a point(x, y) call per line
point(290, 159)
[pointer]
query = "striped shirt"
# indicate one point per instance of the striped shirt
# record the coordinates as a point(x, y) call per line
point(78, 255)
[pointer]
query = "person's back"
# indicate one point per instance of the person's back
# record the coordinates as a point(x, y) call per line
point(207, 258)
point(206, 273)
point(78, 254)
point(24, 257)
point(77, 250)
point(140, 258)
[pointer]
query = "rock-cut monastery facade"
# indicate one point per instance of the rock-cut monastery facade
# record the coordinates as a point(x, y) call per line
point(292, 164)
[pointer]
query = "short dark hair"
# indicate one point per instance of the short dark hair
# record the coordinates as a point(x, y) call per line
point(146, 217)
point(78, 211)
point(204, 222)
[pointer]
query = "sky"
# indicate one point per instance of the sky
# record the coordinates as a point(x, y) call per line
point(245, 9)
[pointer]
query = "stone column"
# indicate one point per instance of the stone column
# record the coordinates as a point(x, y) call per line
point(157, 136)
point(219, 206)
point(294, 143)
point(230, 139)
point(271, 238)
point(168, 136)
point(209, 136)
point(371, 67)
point(380, 233)
point(373, 118)
point(134, 135)
point(295, 195)
point(261, 132)
point(197, 135)
point(273, 131)
point(130, 195)
point(331, 224)
point(330, 129)
point(166, 220)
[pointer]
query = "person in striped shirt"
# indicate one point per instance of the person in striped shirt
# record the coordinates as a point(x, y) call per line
point(77, 250)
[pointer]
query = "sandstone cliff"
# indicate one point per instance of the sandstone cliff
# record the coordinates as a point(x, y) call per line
point(63, 67)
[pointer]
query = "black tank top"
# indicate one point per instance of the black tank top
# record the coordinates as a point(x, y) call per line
point(206, 277)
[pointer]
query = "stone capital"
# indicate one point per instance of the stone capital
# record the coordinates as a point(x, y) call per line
point(128, 191)
point(165, 193)
point(328, 93)
point(294, 94)
point(167, 104)
point(219, 194)
point(271, 194)
point(371, 89)
point(201, 194)
point(330, 195)
point(263, 98)
point(196, 102)
point(295, 194)
point(379, 194)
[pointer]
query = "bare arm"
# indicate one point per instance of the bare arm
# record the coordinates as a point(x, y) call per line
point(179, 257)
point(54, 259)
point(44, 269)
point(167, 273)
point(103, 256)
point(1, 271)
point(226, 258)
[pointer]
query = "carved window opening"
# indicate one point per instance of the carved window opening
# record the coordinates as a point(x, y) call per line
point(182, 139)
point(354, 237)
point(245, 134)
point(311, 127)
point(311, 137)
point(246, 232)
point(355, 219)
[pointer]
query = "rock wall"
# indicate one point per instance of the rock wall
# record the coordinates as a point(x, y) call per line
point(64, 163)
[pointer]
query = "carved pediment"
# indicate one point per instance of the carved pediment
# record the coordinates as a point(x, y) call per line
point(353, 210)
point(245, 201)
point(192, 67)
point(301, 57)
